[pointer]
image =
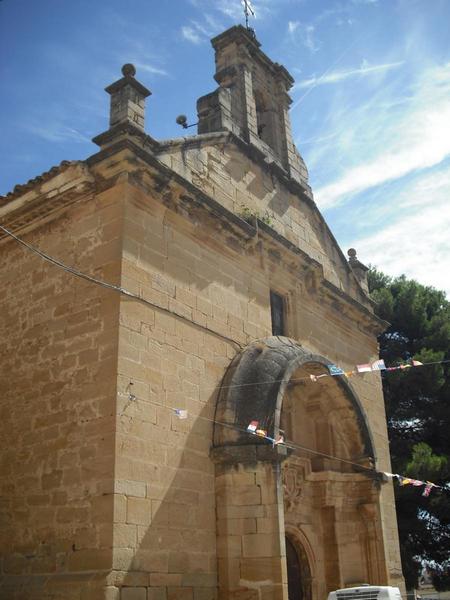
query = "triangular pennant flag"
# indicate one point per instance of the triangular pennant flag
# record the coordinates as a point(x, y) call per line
point(378, 365)
point(428, 488)
point(279, 440)
point(335, 370)
point(181, 413)
point(363, 368)
point(252, 426)
point(261, 432)
point(416, 363)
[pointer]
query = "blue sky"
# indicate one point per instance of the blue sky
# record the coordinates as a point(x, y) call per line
point(370, 113)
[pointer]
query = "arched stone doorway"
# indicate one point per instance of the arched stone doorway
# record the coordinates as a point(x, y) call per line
point(263, 491)
point(298, 571)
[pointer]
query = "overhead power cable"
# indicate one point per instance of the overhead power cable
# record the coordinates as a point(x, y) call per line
point(110, 286)
point(295, 448)
point(287, 444)
point(119, 289)
point(125, 292)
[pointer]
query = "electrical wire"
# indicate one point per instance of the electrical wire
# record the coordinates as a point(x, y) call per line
point(116, 288)
point(129, 294)
point(287, 444)
point(374, 473)
point(308, 377)
point(110, 286)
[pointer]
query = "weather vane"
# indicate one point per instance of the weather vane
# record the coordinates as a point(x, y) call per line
point(248, 10)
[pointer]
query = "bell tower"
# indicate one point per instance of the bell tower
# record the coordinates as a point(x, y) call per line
point(252, 100)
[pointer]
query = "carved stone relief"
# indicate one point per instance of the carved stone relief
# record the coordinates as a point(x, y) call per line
point(294, 474)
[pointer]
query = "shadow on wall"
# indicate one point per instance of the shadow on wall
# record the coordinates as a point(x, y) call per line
point(175, 552)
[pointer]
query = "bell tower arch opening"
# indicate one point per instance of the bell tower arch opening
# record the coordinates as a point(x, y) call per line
point(265, 124)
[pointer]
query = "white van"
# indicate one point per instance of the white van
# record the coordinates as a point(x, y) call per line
point(367, 592)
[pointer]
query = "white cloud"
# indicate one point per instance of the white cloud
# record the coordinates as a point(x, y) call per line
point(197, 32)
point(309, 38)
point(213, 22)
point(319, 139)
point(293, 26)
point(233, 10)
point(191, 34)
point(341, 75)
point(416, 242)
point(305, 33)
point(57, 132)
point(149, 68)
point(230, 9)
point(415, 139)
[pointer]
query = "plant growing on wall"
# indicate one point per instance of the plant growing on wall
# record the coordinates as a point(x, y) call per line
point(250, 215)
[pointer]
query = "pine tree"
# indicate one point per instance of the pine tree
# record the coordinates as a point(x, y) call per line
point(418, 412)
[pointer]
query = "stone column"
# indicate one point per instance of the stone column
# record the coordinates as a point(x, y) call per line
point(333, 573)
point(376, 562)
point(250, 523)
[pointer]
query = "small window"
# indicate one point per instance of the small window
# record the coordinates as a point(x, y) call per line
point(277, 313)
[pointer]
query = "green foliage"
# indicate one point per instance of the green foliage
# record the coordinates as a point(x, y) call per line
point(251, 215)
point(424, 464)
point(418, 411)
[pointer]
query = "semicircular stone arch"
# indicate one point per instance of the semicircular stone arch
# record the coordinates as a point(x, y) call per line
point(256, 383)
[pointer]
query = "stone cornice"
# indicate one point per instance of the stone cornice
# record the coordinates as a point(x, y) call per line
point(40, 201)
point(329, 292)
point(21, 189)
point(43, 196)
point(131, 81)
point(252, 152)
point(378, 324)
point(194, 198)
point(125, 128)
point(302, 192)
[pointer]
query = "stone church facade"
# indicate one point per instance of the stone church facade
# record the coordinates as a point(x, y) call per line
point(227, 292)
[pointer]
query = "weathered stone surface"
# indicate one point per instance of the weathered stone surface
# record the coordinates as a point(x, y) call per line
point(107, 492)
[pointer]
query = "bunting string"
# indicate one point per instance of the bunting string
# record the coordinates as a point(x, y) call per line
point(254, 428)
point(333, 370)
point(403, 481)
point(183, 414)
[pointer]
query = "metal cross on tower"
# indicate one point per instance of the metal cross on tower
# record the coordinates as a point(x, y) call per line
point(248, 10)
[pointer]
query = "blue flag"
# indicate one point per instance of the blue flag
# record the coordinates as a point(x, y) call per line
point(334, 370)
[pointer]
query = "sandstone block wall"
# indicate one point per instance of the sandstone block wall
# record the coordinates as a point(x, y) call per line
point(209, 296)
point(104, 478)
point(58, 365)
point(246, 187)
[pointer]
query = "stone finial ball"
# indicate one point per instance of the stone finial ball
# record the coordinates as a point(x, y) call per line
point(351, 252)
point(128, 70)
